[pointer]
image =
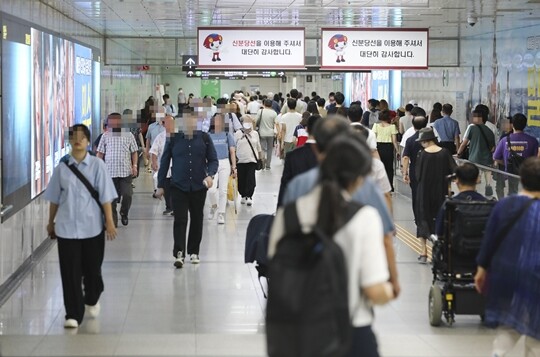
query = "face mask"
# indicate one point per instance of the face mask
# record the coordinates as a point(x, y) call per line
point(247, 126)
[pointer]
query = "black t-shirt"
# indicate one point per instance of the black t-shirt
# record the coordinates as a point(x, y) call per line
point(412, 148)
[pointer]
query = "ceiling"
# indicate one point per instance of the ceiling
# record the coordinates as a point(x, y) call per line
point(162, 30)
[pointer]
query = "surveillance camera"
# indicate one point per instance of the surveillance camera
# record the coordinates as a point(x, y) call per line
point(166, 68)
point(472, 19)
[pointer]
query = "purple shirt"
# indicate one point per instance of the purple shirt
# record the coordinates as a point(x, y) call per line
point(523, 144)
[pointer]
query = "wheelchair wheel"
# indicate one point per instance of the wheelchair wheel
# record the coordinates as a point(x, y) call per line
point(435, 306)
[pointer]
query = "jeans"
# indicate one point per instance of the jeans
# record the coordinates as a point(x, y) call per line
point(183, 203)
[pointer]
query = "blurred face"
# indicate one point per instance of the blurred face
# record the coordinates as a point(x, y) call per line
point(114, 122)
point(218, 123)
point(477, 119)
point(78, 140)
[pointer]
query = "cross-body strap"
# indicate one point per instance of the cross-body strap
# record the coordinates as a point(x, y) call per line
point(484, 136)
point(509, 144)
point(251, 146)
point(84, 180)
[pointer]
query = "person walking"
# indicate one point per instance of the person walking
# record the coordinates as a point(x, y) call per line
point(448, 130)
point(433, 165)
point(120, 152)
point(248, 150)
point(77, 220)
point(225, 146)
point(519, 143)
point(342, 172)
point(386, 134)
point(482, 145)
point(267, 127)
point(194, 164)
point(507, 272)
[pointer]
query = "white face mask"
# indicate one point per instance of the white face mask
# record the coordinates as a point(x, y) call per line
point(247, 126)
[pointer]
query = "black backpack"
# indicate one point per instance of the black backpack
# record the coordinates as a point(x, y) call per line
point(514, 160)
point(307, 314)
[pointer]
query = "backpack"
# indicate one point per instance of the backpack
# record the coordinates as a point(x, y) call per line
point(373, 118)
point(514, 160)
point(307, 313)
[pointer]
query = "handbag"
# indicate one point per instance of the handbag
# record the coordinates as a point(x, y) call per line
point(260, 165)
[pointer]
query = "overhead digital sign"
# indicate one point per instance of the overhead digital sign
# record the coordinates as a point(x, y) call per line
point(251, 48)
point(374, 48)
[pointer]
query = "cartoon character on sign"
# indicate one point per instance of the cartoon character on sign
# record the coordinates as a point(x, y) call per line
point(338, 43)
point(213, 43)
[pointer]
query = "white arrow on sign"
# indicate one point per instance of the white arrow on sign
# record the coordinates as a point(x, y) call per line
point(190, 73)
point(190, 62)
point(281, 74)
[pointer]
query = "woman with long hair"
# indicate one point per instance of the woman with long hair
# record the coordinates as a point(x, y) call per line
point(342, 172)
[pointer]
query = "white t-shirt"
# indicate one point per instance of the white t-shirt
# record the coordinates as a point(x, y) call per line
point(253, 107)
point(371, 139)
point(410, 132)
point(361, 240)
point(291, 121)
point(406, 121)
point(157, 149)
point(378, 174)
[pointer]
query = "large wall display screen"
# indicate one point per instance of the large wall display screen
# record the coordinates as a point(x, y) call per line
point(48, 84)
point(374, 48)
point(251, 47)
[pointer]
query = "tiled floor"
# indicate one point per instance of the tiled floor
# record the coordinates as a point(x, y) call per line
point(212, 309)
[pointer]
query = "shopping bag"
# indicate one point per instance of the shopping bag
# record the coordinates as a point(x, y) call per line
point(231, 194)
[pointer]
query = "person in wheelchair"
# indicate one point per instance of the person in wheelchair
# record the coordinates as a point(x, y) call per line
point(466, 176)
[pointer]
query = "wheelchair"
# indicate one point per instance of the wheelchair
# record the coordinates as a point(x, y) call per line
point(454, 261)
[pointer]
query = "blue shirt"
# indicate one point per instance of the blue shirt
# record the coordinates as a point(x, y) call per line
point(222, 142)
point(447, 128)
point(193, 159)
point(78, 215)
point(367, 194)
point(153, 131)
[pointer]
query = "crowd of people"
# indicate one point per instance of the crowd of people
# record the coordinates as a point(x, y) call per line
point(332, 154)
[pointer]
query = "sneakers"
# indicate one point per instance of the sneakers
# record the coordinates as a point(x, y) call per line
point(213, 210)
point(249, 201)
point(93, 311)
point(125, 220)
point(422, 259)
point(167, 212)
point(221, 218)
point(179, 262)
point(267, 167)
point(194, 259)
point(71, 323)
point(243, 200)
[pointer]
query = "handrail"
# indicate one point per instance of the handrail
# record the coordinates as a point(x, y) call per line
point(486, 168)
